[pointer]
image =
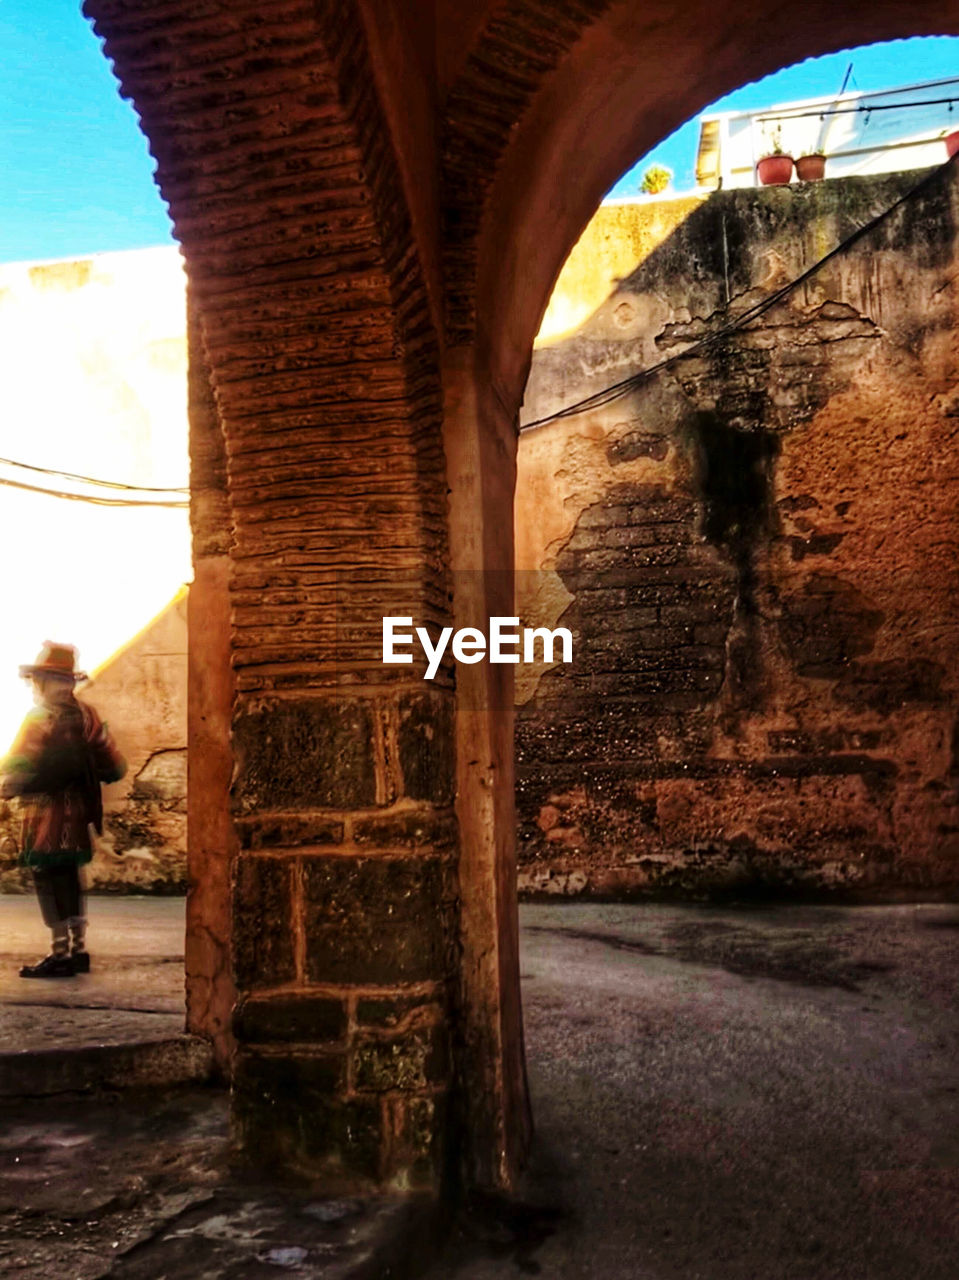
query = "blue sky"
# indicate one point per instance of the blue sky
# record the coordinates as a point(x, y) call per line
point(75, 173)
point(76, 176)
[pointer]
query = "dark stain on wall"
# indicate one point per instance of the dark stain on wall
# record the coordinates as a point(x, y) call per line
point(733, 477)
point(728, 721)
point(887, 686)
point(825, 624)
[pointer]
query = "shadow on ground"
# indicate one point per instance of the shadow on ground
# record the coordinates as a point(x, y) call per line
point(722, 1094)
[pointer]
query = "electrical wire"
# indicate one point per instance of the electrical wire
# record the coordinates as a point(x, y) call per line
point(599, 399)
point(861, 107)
point(104, 484)
point(94, 499)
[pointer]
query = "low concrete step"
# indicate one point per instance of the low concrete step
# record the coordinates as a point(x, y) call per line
point(170, 1060)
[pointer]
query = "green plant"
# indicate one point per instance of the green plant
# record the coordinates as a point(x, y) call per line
point(774, 139)
point(656, 179)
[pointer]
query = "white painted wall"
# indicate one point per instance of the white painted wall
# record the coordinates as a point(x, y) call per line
point(860, 133)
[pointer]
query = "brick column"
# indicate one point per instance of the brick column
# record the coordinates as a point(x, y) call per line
point(322, 353)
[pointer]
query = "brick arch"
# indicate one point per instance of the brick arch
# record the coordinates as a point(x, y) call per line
point(518, 47)
point(312, 322)
point(276, 164)
point(556, 100)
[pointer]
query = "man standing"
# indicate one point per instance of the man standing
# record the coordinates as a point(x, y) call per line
point(61, 755)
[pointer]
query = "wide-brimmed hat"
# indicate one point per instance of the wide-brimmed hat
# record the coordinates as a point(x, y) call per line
point(55, 660)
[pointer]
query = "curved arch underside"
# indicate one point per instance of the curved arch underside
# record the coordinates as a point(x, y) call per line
point(589, 87)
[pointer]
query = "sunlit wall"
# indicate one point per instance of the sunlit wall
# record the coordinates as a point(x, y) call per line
point(93, 359)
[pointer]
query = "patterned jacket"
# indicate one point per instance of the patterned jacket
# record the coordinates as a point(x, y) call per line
point(58, 760)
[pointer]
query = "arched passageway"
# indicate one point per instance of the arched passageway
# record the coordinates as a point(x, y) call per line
point(583, 115)
point(366, 286)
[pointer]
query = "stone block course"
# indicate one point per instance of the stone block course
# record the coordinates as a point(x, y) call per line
point(306, 753)
point(416, 1127)
point(407, 829)
point(288, 831)
point(425, 740)
point(289, 1112)
point(373, 920)
point(414, 1061)
point(300, 1019)
point(263, 922)
point(389, 1011)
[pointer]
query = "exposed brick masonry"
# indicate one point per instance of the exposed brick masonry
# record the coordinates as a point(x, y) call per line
point(761, 693)
point(275, 157)
point(277, 165)
point(520, 45)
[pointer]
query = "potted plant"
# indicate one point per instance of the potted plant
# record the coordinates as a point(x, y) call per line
point(656, 179)
point(774, 168)
point(811, 166)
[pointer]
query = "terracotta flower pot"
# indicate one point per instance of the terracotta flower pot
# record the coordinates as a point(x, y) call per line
point(810, 168)
point(775, 170)
point(952, 143)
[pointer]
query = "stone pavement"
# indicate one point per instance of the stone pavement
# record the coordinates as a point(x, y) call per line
point(733, 1094)
point(80, 1032)
point(719, 1094)
point(134, 990)
point(137, 1184)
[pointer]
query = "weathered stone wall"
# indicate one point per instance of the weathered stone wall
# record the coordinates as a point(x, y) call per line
point(95, 385)
point(141, 693)
point(756, 551)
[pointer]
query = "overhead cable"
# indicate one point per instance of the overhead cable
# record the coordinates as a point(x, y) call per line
point(104, 484)
point(599, 399)
point(860, 107)
point(92, 498)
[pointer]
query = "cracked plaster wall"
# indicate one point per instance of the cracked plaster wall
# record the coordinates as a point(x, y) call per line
point(757, 554)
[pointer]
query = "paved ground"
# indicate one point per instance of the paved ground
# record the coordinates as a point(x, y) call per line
point(734, 1094)
point(719, 1095)
point(139, 1187)
point(138, 1184)
point(133, 992)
